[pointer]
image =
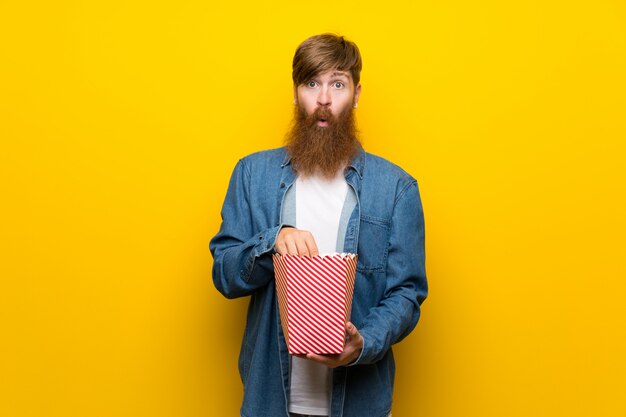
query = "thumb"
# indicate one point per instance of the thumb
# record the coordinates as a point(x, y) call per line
point(352, 331)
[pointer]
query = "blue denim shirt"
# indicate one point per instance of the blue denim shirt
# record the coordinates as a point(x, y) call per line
point(385, 229)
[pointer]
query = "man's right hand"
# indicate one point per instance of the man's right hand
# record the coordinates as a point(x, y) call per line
point(295, 242)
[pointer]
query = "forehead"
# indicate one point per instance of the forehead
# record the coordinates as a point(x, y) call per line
point(334, 74)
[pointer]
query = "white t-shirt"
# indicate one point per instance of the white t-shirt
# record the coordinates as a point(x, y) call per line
point(319, 203)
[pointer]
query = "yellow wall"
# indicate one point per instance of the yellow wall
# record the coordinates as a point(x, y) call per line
point(121, 122)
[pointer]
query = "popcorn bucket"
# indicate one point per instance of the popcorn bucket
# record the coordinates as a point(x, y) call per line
point(314, 300)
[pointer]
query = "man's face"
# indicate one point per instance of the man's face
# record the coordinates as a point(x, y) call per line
point(330, 92)
point(324, 135)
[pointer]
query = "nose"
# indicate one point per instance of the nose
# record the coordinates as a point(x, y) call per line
point(323, 98)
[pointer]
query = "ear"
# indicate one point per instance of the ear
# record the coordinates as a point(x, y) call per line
point(357, 93)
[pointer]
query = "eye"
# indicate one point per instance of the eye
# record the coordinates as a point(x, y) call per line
point(338, 84)
point(311, 84)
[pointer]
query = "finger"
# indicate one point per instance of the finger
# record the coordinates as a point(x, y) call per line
point(333, 361)
point(352, 331)
point(281, 248)
point(301, 245)
point(292, 249)
point(354, 344)
point(328, 360)
point(310, 242)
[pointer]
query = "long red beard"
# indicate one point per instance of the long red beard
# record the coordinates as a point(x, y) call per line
point(322, 150)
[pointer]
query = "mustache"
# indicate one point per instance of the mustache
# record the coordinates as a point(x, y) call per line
point(323, 112)
point(320, 113)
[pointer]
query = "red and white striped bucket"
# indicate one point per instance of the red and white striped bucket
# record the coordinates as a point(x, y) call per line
point(315, 299)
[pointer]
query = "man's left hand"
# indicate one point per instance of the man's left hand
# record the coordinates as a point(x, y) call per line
point(351, 351)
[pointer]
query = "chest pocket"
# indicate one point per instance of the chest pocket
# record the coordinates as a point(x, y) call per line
point(373, 243)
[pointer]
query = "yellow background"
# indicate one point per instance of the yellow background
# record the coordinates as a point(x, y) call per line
point(120, 123)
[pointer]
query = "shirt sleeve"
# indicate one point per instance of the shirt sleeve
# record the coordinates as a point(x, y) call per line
point(242, 261)
point(398, 312)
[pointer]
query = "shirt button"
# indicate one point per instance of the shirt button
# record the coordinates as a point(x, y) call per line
point(282, 185)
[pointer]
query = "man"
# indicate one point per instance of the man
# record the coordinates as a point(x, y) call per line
point(322, 193)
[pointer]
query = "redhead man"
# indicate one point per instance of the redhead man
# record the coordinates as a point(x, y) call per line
point(322, 193)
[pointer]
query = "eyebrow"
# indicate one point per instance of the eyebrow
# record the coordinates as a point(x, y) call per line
point(340, 74)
